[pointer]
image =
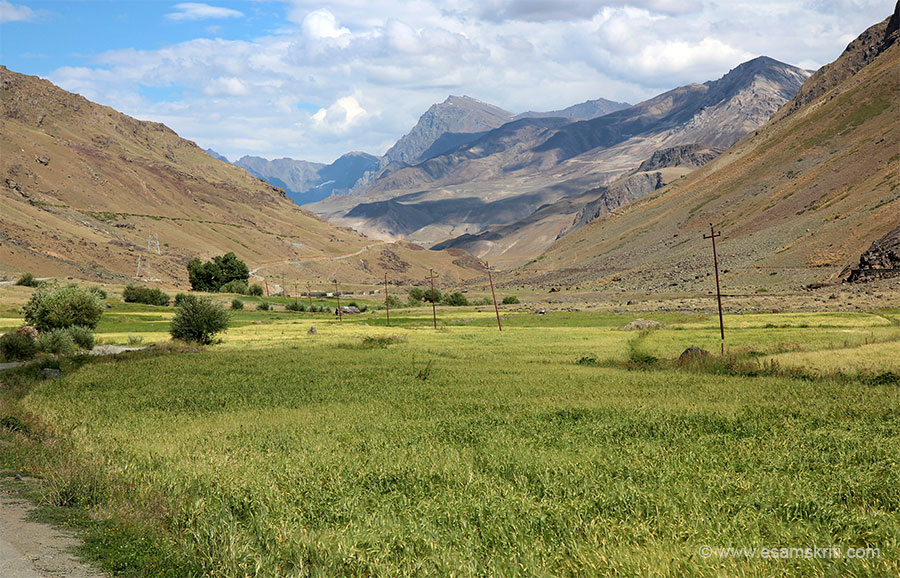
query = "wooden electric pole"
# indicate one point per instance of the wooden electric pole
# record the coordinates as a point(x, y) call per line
point(338, 295)
point(712, 235)
point(309, 295)
point(431, 277)
point(387, 305)
point(494, 295)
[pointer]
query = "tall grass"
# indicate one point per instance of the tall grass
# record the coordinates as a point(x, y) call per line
point(280, 454)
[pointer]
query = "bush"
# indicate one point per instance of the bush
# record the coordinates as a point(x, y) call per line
point(394, 302)
point(432, 295)
point(99, 292)
point(416, 295)
point(483, 301)
point(28, 280)
point(199, 319)
point(83, 337)
point(238, 286)
point(295, 306)
point(58, 341)
point(60, 308)
point(180, 297)
point(456, 299)
point(237, 304)
point(511, 300)
point(256, 290)
point(146, 295)
point(17, 346)
point(263, 306)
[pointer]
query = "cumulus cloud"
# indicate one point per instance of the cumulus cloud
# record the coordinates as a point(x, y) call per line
point(340, 116)
point(199, 11)
point(335, 76)
point(10, 12)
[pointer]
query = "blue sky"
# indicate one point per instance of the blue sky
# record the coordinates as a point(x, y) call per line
point(313, 80)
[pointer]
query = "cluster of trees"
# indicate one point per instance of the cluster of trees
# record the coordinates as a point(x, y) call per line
point(418, 295)
point(221, 270)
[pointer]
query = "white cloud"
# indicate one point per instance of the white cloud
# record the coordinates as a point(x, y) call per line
point(10, 12)
point(199, 11)
point(340, 116)
point(337, 75)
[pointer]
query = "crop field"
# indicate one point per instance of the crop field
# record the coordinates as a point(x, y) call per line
point(561, 446)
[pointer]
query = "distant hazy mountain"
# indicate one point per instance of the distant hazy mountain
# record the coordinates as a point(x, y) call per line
point(307, 182)
point(505, 174)
point(216, 155)
point(584, 111)
point(458, 115)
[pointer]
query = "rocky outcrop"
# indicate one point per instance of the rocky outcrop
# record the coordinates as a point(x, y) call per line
point(643, 181)
point(691, 155)
point(883, 254)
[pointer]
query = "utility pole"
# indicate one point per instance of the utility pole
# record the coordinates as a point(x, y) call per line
point(712, 235)
point(309, 294)
point(387, 305)
point(338, 295)
point(494, 295)
point(431, 277)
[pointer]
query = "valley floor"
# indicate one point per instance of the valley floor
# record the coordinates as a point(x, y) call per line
point(560, 446)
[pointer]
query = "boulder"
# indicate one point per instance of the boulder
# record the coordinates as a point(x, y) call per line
point(692, 354)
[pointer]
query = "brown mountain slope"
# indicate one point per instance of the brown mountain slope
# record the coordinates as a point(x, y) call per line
point(86, 191)
point(796, 202)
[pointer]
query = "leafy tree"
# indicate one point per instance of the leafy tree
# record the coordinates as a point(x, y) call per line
point(256, 290)
point(212, 275)
point(63, 307)
point(238, 286)
point(198, 319)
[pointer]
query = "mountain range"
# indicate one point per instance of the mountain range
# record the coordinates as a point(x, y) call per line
point(483, 195)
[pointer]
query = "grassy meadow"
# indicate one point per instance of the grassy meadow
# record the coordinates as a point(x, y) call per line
point(562, 446)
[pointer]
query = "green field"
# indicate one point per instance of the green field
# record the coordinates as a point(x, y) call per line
point(559, 447)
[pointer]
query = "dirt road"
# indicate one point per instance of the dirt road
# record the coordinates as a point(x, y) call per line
point(35, 550)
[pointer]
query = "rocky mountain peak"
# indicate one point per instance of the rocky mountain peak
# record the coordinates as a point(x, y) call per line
point(457, 114)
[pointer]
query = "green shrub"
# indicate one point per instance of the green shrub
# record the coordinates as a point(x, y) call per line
point(263, 306)
point(180, 297)
point(237, 304)
point(146, 295)
point(238, 286)
point(394, 302)
point(455, 299)
point(256, 290)
point(18, 346)
point(58, 341)
point(511, 300)
point(83, 336)
point(99, 292)
point(416, 294)
point(28, 280)
point(432, 295)
point(483, 301)
point(63, 307)
point(295, 306)
point(199, 319)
